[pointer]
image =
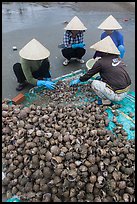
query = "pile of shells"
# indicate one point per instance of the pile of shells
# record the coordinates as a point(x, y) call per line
point(65, 154)
point(64, 94)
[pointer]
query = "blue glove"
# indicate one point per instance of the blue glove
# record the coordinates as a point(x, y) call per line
point(99, 101)
point(74, 82)
point(49, 84)
point(78, 45)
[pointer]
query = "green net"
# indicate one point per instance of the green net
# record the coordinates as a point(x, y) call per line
point(126, 115)
point(82, 95)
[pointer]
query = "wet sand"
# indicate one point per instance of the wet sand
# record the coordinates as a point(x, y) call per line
point(22, 21)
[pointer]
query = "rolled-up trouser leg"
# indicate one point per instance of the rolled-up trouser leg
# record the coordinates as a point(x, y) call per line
point(104, 92)
point(121, 48)
point(19, 73)
point(68, 53)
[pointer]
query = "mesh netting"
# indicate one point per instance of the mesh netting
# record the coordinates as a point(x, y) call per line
point(81, 95)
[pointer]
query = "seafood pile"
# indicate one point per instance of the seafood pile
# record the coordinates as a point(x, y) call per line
point(64, 94)
point(63, 153)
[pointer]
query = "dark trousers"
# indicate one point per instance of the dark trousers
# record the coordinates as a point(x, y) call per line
point(69, 53)
point(43, 71)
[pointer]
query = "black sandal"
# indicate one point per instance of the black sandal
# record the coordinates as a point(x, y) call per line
point(21, 86)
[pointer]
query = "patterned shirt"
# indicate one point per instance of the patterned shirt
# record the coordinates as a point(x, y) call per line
point(68, 40)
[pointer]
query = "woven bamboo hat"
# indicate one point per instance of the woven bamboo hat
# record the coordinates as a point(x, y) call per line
point(34, 50)
point(106, 45)
point(75, 24)
point(110, 24)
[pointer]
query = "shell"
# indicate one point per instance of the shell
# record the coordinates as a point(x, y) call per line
point(55, 150)
point(129, 190)
point(56, 160)
point(72, 175)
point(72, 192)
point(122, 185)
point(97, 199)
point(23, 114)
point(116, 175)
point(47, 197)
point(39, 133)
point(89, 187)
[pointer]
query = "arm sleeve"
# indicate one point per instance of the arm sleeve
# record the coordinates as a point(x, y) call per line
point(102, 36)
point(27, 72)
point(95, 69)
point(120, 39)
point(81, 37)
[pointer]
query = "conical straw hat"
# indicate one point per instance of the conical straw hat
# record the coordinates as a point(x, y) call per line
point(75, 24)
point(106, 45)
point(34, 50)
point(110, 24)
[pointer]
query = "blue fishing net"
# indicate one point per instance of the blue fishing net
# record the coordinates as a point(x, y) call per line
point(14, 199)
point(81, 98)
point(128, 122)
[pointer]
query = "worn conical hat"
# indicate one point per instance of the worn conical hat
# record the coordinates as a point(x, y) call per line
point(34, 50)
point(110, 24)
point(75, 24)
point(106, 45)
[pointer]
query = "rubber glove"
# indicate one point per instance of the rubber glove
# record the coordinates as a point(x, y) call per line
point(99, 101)
point(49, 84)
point(78, 45)
point(74, 82)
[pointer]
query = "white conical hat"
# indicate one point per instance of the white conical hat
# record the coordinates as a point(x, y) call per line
point(110, 24)
point(106, 45)
point(34, 50)
point(75, 24)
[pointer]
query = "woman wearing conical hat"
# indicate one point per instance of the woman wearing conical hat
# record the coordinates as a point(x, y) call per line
point(34, 65)
point(74, 46)
point(115, 81)
point(111, 26)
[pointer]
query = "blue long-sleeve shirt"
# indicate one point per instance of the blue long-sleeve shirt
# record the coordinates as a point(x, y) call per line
point(116, 36)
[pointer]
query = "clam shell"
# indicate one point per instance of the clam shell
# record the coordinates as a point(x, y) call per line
point(89, 187)
point(56, 160)
point(122, 185)
point(55, 150)
point(72, 175)
point(116, 175)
